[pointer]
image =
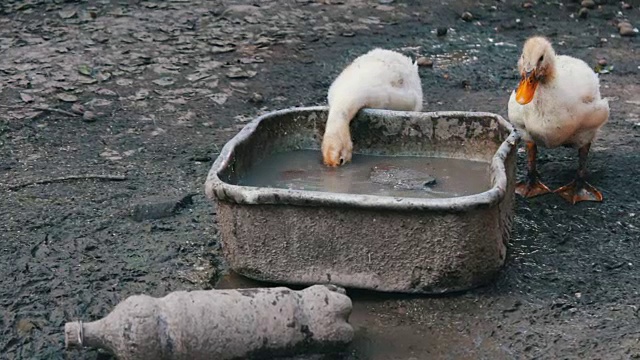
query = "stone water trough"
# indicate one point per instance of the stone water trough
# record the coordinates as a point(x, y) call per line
point(382, 243)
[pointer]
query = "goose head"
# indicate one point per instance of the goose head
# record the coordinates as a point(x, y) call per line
point(536, 65)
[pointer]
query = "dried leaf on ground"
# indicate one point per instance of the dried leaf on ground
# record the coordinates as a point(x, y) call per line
point(165, 81)
point(105, 92)
point(85, 69)
point(219, 98)
point(124, 82)
point(239, 73)
point(67, 97)
point(26, 97)
point(67, 13)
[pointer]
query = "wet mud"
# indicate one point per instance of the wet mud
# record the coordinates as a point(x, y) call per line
point(150, 91)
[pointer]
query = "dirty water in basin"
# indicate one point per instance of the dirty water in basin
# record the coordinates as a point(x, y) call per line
point(389, 327)
point(398, 176)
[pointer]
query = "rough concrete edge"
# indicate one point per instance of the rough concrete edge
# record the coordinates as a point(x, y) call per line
point(216, 189)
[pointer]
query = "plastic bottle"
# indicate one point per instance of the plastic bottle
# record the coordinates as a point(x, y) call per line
point(221, 324)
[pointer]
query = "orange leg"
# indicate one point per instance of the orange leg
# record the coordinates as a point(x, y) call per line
point(531, 186)
point(579, 189)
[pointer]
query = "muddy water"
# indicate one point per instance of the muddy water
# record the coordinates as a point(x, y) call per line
point(400, 176)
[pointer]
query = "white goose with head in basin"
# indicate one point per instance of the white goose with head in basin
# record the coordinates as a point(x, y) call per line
point(381, 79)
point(557, 103)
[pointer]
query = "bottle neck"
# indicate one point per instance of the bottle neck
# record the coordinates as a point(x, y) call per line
point(92, 334)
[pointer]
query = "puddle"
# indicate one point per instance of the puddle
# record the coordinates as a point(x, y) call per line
point(405, 327)
point(399, 176)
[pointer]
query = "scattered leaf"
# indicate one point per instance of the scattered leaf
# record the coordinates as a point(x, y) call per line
point(124, 82)
point(26, 97)
point(219, 98)
point(603, 69)
point(105, 92)
point(103, 76)
point(158, 131)
point(250, 60)
point(99, 102)
point(111, 155)
point(77, 108)
point(238, 73)
point(67, 97)
point(84, 69)
point(165, 81)
point(197, 76)
point(67, 13)
point(141, 94)
point(87, 80)
point(222, 49)
point(178, 101)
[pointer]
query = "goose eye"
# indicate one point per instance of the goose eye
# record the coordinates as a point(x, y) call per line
point(541, 59)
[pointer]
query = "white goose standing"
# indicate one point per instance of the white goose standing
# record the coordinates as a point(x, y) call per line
point(557, 103)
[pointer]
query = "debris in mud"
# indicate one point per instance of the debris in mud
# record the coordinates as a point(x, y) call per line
point(626, 5)
point(466, 16)
point(424, 61)
point(441, 31)
point(160, 208)
point(399, 178)
point(602, 67)
point(589, 4)
point(527, 5)
point(89, 116)
point(256, 98)
point(25, 326)
point(583, 13)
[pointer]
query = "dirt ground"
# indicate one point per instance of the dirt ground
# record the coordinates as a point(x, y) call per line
point(142, 94)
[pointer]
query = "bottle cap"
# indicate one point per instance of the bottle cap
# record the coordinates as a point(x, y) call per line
point(73, 334)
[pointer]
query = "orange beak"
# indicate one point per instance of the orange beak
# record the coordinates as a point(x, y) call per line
point(527, 88)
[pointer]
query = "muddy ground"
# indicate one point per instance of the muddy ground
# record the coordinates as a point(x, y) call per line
point(144, 94)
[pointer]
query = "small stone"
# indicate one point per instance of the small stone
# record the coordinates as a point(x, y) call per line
point(442, 31)
point(385, 1)
point(624, 24)
point(424, 61)
point(527, 5)
point(583, 13)
point(627, 31)
point(602, 62)
point(626, 6)
point(256, 98)
point(89, 116)
point(466, 16)
point(589, 4)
